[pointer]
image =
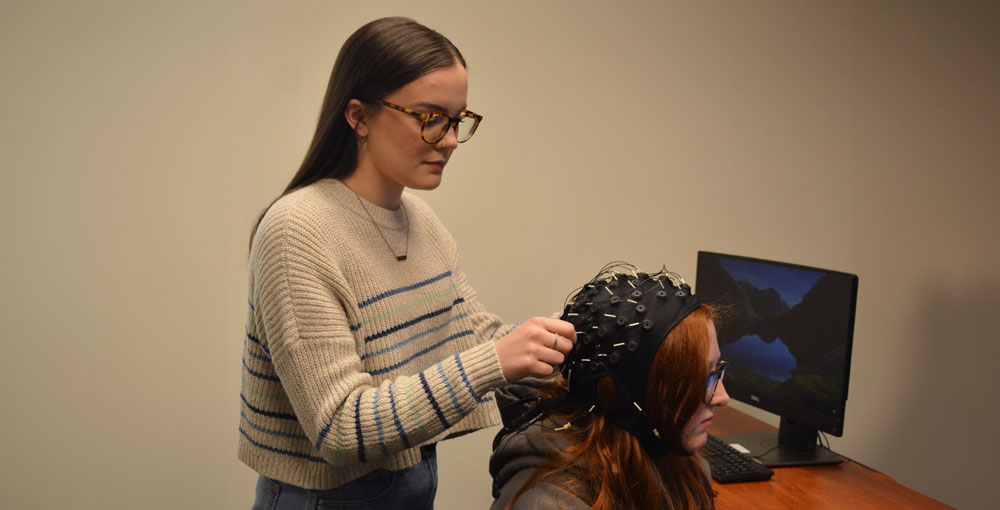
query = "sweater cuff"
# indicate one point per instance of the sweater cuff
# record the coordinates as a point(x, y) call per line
point(482, 366)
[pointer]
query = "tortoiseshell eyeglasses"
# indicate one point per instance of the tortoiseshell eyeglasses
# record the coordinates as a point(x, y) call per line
point(433, 126)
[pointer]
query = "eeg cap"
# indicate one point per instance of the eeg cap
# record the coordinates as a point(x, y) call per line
point(622, 317)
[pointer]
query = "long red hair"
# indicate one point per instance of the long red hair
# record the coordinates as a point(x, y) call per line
point(607, 467)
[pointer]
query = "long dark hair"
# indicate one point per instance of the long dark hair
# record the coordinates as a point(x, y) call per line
point(609, 467)
point(377, 59)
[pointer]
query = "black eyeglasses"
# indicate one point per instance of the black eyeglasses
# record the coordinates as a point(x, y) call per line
point(714, 378)
point(433, 126)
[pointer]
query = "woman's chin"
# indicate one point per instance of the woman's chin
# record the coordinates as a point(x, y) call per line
point(696, 442)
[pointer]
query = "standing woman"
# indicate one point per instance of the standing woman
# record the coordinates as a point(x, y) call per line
point(365, 344)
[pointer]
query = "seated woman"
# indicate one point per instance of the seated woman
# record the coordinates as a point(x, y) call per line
point(621, 425)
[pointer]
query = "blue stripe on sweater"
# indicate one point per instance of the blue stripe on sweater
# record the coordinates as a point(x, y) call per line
point(271, 414)
point(357, 429)
point(279, 450)
point(251, 304)
point(258, 342)
point(451, 390)
point(412, 338)
point(407, 288)
point(421, 352)
point(323, 432)
point(258, 374)
point(395, 418)
point(271, 432)
point(434, 404)
point(378, 423)
point(411, 322)
point(465, 378)
point(259, 357)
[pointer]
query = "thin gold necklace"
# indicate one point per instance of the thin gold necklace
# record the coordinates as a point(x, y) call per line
point(406, 248)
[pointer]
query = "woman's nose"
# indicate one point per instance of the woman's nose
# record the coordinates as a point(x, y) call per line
point(721, 397)
point(450, 139)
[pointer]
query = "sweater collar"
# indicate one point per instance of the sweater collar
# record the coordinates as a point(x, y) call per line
point(385, 218)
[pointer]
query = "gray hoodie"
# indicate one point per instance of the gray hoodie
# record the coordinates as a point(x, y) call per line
point(516, 455)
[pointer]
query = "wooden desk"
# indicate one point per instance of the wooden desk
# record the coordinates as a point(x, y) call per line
point(842, 486)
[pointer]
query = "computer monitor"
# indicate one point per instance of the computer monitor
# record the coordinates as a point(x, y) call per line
point(786, 332)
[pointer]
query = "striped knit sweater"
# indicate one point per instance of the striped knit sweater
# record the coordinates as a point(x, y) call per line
point(352, 360)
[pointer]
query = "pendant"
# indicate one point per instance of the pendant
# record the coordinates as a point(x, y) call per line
point(401, 257)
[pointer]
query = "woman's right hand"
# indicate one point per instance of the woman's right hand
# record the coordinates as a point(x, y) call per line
point(535, 348)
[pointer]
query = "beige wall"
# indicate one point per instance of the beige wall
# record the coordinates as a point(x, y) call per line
point(140, 141)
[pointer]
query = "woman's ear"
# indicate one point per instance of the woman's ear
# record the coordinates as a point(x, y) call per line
point(355, 115)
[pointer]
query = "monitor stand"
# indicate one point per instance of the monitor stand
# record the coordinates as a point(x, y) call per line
point(792, 445)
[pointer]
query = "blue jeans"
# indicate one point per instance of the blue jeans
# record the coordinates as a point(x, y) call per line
point(412, 488)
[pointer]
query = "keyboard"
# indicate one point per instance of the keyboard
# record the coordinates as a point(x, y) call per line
point(729, 465)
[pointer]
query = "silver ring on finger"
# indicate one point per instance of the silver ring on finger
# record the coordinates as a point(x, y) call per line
point(555, 340)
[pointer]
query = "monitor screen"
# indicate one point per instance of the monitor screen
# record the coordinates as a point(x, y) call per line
point(786, 332)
